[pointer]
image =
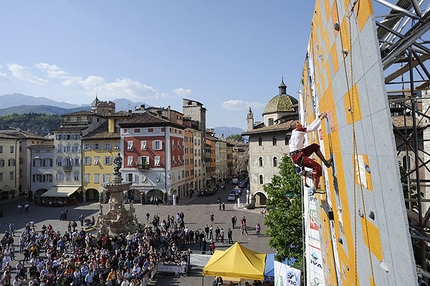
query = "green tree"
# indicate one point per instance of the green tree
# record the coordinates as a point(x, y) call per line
point(39, 123)
point(284, 216)
point(235, 137)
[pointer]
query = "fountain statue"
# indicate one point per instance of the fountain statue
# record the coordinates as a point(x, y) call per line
point(117, 219)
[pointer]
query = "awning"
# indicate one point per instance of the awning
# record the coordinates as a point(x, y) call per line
point(60, 191)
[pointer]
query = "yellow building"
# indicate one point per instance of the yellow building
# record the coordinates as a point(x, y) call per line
point(9, 167)
point(98, 150)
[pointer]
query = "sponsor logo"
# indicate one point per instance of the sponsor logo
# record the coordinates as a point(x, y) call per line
point(293, 277)
point(314, 260)
point(315, 282)
point(313, 238)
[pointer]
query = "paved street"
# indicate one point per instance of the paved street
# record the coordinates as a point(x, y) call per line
point(196, 210)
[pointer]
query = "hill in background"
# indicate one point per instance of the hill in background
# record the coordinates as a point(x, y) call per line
point(12, 104)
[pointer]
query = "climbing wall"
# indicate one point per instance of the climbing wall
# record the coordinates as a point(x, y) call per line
point(356, 234)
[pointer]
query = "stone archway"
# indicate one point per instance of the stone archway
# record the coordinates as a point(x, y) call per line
point(155, 193)
point(260, 198)
point(134, 195)
point(91, 195)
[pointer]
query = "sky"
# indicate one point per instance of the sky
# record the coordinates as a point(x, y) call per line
point(227, 55)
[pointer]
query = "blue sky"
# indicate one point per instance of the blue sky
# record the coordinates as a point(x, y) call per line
point(228, 55)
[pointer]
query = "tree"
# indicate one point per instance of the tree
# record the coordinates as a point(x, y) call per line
point(235, 137)
point(284, 214)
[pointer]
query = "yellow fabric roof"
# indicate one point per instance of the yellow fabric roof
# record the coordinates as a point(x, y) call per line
point(236, 261)
point(60, 191)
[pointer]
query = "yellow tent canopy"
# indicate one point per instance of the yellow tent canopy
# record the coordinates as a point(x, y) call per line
point(236, 261)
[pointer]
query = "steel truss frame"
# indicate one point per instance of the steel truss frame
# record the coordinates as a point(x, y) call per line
point(404, 44)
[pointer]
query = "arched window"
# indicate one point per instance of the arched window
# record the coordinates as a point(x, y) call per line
point(287, 139)
point(59, 162)
point(275, 162)
point(260, 161)
point(260, 141)
point(274, 141)
point(261, 179)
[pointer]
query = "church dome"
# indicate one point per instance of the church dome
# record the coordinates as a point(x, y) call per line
point(281, 102)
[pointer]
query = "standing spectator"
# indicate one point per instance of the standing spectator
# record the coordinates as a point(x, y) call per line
point(221, 234)
point(12, 252)
point(89, 278)
point(147, 217)
point(217, 232)
point(223, 206)
point(257, 228)
point(81, 219)
point(212, 247)
point(211, 232)
point(233, 221)
point(111, 277)
point(230, 235)
point(203, 245)
point(74, 225)
point(243, 225)
point(207, 231)
point(77, 277)
point(12, 228)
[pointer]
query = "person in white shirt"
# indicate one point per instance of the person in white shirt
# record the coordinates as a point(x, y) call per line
point(300, 154)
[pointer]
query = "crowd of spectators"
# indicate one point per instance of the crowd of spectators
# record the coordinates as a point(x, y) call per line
point(82, 257)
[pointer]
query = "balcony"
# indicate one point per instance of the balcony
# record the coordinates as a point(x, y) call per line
point(142, 167)
point(67, 168)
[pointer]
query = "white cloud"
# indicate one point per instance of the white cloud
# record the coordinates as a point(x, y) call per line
point(2, 75)
point(234, 104)
point(125, 87)
point(51, 70)
point(23, 74)
point(130, 89)
point(182, 92)
point(72, 81)
point(93, 84)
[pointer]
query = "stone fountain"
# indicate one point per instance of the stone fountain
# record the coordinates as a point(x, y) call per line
point(117, 219)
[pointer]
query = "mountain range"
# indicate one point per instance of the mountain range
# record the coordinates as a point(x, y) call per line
point(12, 104)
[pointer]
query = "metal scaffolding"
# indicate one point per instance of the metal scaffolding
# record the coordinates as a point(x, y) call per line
point(405, 48)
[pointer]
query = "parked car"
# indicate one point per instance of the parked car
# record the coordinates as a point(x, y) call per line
point(237, 191)
point(243, 184)
point(231, 196)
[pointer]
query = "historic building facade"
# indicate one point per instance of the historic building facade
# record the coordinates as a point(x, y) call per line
point(268, 141)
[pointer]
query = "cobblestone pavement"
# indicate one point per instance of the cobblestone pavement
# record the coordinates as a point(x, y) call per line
point(196, 215)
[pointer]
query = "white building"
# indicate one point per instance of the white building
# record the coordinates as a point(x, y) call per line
point(268, 141)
